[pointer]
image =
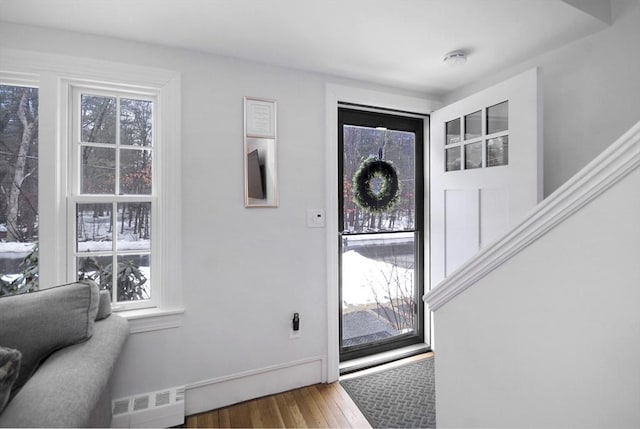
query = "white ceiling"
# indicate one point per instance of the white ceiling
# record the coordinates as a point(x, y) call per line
point(399, 43)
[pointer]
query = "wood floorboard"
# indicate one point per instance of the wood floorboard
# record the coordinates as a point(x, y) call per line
point(317, 406)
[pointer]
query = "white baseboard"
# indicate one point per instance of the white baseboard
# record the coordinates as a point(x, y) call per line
point(230, 389)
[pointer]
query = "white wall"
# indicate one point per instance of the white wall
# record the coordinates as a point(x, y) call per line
point(550, 338)
point(590, 92)
point(245, 270)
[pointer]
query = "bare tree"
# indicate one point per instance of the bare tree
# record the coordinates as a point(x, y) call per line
point(28, 116)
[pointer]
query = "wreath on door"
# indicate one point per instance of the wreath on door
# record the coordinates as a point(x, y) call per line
point(376, 186)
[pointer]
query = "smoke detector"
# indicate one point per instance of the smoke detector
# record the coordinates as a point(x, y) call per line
point(455, 58)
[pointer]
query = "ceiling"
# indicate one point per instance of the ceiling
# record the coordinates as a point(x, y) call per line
point(400, 43)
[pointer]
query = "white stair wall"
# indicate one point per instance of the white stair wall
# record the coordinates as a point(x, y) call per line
point(542, 328)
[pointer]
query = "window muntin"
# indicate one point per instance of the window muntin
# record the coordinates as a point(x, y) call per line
point(113, 195)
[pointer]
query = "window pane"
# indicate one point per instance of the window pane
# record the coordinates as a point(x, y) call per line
point(453, 159)
point(134, 226)
point(378, 295)
point(96, 268)
point(498, 151)
point(135, 172)
point(94, 226)
point(473, 155)
point(98, 170)
point(361, 143)
point(98, 119)
point(498, 118)
point(473, 125)
point(136, 122)
point(19, 186)
point(453, 131)
point(134, 282)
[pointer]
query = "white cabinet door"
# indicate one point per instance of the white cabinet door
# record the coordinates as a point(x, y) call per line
point(485, 169)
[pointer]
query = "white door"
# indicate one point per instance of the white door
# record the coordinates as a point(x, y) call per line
point(486, 169)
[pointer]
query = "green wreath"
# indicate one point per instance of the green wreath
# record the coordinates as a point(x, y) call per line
point(364, 193)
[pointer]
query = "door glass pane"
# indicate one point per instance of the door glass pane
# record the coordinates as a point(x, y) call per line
point(378, 294)
point(453, 159)
point(473, 155)
point(398, 148)
point(19, 189)
point(498, 151)
point(498, 118)
point(453, 131)
point(98, 119)
point(473, 125)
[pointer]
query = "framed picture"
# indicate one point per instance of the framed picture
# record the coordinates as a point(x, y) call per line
point(260, 117)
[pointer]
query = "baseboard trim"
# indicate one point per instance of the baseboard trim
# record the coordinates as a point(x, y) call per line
point(230, 389)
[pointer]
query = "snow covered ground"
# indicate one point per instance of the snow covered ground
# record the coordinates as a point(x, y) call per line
point(10, 249)
point(364, 278)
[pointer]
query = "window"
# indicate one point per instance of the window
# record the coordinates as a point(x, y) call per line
point(113, 194)
point(486, 144)
point(18, 188)
point(108, 201)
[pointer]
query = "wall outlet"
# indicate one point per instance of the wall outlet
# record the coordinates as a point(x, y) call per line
point(294, 327)
point(315, 218)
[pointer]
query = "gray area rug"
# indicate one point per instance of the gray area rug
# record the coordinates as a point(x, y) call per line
point(401, 397)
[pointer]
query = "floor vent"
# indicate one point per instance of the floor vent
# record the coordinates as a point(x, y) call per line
point(163, 408)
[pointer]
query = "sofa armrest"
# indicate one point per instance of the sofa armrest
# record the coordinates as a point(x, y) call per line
point(70, 387)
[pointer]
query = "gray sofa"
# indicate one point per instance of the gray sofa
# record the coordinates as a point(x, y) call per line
point(69, 343)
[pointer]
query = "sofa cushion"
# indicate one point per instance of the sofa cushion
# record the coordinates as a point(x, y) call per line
point(9, 368)
point(38, 323)
point(104, 306)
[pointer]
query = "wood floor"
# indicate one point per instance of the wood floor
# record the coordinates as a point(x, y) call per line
point(317, 406)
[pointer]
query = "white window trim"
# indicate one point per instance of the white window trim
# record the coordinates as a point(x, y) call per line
point(53, 74)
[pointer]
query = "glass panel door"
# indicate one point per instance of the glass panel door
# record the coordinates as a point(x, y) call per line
point(381, 229)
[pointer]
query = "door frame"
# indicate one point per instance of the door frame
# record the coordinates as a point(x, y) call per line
point(335, 93)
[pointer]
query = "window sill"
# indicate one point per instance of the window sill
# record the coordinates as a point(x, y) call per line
point(152, 319)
